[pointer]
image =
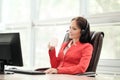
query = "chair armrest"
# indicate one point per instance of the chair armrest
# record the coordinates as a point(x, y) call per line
point(89, 74)
point(41, 69)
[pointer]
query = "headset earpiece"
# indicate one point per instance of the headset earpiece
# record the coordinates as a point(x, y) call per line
point(83, 31)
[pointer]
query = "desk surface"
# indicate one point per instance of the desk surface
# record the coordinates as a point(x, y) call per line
point(55, 77)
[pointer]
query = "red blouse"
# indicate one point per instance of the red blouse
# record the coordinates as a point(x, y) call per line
point(76, 59)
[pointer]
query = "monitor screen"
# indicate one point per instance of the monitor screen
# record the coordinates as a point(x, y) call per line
point(10, 50)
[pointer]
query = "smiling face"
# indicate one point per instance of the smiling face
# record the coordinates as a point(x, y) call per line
point(74, 31)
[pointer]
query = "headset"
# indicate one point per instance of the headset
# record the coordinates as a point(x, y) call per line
point(83, 31)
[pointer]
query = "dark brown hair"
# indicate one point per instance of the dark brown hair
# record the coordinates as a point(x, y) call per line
point(85, 29)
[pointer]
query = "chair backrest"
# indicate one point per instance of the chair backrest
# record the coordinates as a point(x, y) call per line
point(96, 41)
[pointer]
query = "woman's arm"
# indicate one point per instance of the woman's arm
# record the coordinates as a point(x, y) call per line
point(53, 59)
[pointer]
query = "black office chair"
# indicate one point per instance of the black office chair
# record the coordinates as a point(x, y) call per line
point(96, 41)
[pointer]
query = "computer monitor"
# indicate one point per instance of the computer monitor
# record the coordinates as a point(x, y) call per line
point(10, 50)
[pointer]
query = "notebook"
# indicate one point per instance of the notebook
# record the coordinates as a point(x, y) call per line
point(31, 72)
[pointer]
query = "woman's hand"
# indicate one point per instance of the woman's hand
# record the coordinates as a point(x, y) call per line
point(50, 47)
point(51, 71)
point(53, 43)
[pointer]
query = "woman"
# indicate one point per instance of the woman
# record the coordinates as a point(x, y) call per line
point(74, 55)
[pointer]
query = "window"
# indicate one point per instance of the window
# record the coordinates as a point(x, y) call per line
point(14, 17)
point(103, 6)
point(43, 36)
point(0, 9)
point(15, 11)
point(111, 47)
point(54, 9)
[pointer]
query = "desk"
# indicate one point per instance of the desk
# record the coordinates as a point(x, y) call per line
point(54, 77)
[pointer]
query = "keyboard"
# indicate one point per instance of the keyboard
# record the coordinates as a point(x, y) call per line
point(31, 72)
